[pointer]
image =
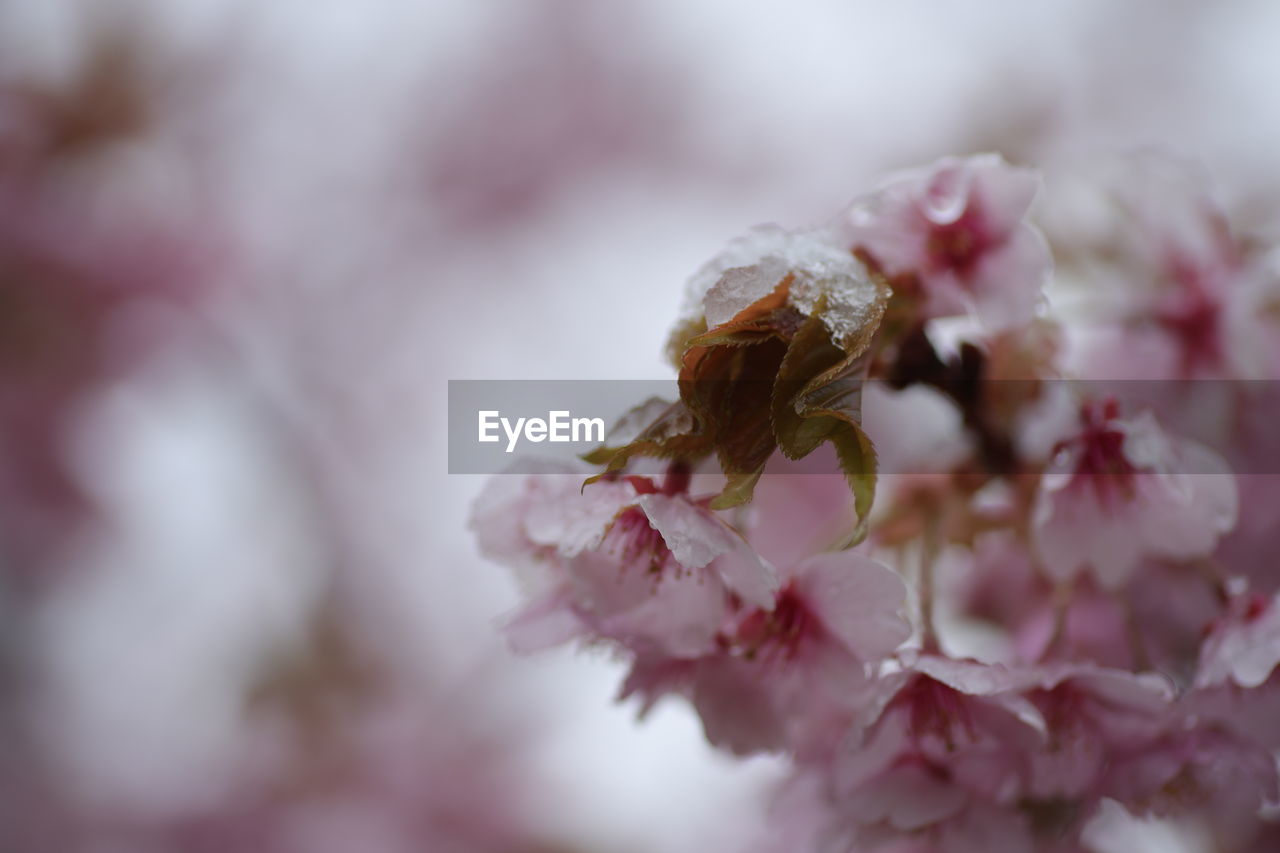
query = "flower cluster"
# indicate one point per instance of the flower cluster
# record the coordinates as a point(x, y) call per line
point(1040, 617)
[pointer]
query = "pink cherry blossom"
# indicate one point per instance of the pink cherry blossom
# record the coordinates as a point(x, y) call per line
point(1171, 603)
point(623, 559)
point(1243, 646)
point(941, 753)
point(537, 513)
point(1090, 713)
point(1121, 490)
point(1156, 282)
point(793, 676)
point(801, 664)
point(959, 227)
point(1204, 768)
point(1236, 686)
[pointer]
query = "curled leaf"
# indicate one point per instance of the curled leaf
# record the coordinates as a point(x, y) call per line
point(776, 360)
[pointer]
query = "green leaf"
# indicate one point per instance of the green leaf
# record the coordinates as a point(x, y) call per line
point(769, 378)
point(738, 490)
point(858, 462)
point(818, 397)
point(675, 433)
point(809, 354)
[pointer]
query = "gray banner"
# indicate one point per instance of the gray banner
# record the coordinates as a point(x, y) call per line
point(494, 422)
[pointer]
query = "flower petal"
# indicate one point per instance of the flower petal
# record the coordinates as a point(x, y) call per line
point(858, 599)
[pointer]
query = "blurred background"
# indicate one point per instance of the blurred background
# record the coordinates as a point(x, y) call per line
point(243, 247)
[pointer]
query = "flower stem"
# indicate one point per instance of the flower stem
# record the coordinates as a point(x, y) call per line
point(1061, 607)
point(929, 547)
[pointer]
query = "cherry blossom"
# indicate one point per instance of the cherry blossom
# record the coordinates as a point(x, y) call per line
point(1090, 714)
point(958, 230)
point(791, 677)
point(1243, 646)
point(1156, 279)
point(943, 752)
point(1121, 489)
point(800, 665)
point(1205, 768)
point(1236, 688)
point(632, 561)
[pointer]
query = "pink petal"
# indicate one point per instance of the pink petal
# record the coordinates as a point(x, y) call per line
point(1243, 649)
point(945, 193)
point(542, 625)
point(907, 798)
point(858, 599)
point(1002, 192)
point(865, 758)
point(745, 573)
point(697, 536)
point(1008, 283)
point(694, 535)
point(573, 518)
point(681, 616)
point(736, 713)
point(794, 515)
point(1074, 533)
point(889, 226)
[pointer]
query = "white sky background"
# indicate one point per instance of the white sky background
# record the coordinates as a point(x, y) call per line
point(328, 143)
